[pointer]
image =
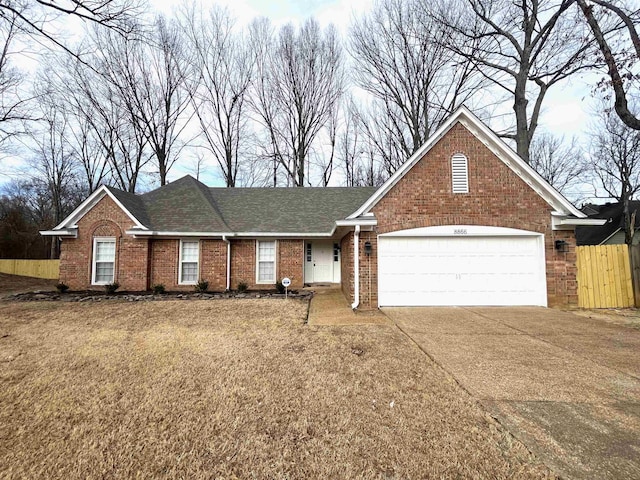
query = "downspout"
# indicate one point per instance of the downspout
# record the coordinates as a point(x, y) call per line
point(226, 240)
point(356, 269)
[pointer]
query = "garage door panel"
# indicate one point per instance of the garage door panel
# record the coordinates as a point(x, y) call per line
point(418, 271)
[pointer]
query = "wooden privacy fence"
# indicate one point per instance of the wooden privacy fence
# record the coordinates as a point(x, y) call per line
point(604, 277)
point(31, 268)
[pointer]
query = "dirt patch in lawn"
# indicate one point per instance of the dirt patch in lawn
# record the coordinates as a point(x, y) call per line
point(233, 389)
point(628, 317)
point(11, 284)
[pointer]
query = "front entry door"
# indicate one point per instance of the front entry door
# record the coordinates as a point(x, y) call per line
point(319, 264)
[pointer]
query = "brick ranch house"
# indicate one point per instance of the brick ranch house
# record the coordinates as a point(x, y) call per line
point(464, 221)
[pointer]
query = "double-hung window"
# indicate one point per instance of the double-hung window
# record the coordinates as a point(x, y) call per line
point(266, 254)
point(189, 259)
point(104, 260)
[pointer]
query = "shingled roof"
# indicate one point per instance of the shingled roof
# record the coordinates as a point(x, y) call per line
point(614, 214)
point(188, 205)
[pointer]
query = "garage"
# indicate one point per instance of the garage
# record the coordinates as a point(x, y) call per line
point(461, 265)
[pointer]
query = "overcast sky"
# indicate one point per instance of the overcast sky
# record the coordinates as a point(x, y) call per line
point(566, 107)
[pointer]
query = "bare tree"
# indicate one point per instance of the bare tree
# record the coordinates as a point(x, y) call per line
point(221, 67)
point(52, 164)
point(615, 159)
point(13, 106)
point(106, 134)
point(416, 82)
point(38, 18)
point(52, 87)
point(150, 81)
point(524, 48)
point(299, 80)
point(562, 165)
point(357, 154)
point(621, 64)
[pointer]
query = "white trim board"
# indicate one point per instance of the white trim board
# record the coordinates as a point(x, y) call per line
point(510, 158)
point(88, 204)
point(461, 231)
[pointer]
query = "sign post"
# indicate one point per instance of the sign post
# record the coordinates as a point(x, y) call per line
point(286, 282)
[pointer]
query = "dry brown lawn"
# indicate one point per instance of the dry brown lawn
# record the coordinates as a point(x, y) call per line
point(231, 389)
point(10, 284)
point(627, 317)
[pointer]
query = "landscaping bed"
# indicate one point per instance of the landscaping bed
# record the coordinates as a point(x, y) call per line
point(96, 296)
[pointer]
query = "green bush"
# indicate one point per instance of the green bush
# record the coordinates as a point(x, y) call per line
point(243, 287)
point(62, 287)
point(202, 286)
point(158, 289)
point(111, 288)
point(280, 287)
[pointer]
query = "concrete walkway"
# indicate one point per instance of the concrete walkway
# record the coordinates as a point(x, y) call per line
point(566, 386)
point(330, 307)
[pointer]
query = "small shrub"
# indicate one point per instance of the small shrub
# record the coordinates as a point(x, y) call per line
point(243, 287)
point(280, 287)
point(158, 289)
point(202, 286)
point(111, 288)
point(62, 287)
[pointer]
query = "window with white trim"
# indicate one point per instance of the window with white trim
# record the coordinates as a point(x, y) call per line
point(189, 259)
point(266, 261)
point(459, 174)
point(104, 260)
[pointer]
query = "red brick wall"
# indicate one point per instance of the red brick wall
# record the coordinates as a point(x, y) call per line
point(290, 261)
point(213, 264)
point(497, 197)
point(368, 272)
point(243, 263)
point(346, 266)
point(164, 264)
point(105, 219)
point(165, 258)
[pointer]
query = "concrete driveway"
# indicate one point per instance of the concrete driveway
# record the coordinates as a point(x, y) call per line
point(567, 386)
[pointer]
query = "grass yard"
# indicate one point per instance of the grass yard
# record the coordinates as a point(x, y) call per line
point(10, 284)
point(231, 389)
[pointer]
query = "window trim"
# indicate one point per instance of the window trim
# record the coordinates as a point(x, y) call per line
point(275, 261)
point(180, 261)
point(460, 156)
point(94, 270)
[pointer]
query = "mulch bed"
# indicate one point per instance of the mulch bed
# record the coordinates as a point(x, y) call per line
point(93, 296)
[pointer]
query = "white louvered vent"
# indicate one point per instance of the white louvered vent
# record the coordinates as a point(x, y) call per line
point(459, 174)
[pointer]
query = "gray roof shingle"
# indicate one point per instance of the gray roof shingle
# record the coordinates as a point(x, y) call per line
point(188, 205)
point(288, 210)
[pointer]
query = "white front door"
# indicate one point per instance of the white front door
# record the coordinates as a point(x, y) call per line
point(319, 262)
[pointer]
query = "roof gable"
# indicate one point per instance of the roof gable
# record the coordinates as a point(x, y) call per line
point(183, 206)
point(127, 202)
point(496, 145)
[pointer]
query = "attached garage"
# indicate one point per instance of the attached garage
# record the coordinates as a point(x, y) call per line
point(461, 265)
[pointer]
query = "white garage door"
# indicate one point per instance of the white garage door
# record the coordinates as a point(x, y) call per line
point(461, 265)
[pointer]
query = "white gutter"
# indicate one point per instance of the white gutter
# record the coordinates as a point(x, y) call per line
point(371, 222)
point(226, 240)
point(356, 269)
point(156, 233)
point(67, 232)
point(583, 221)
